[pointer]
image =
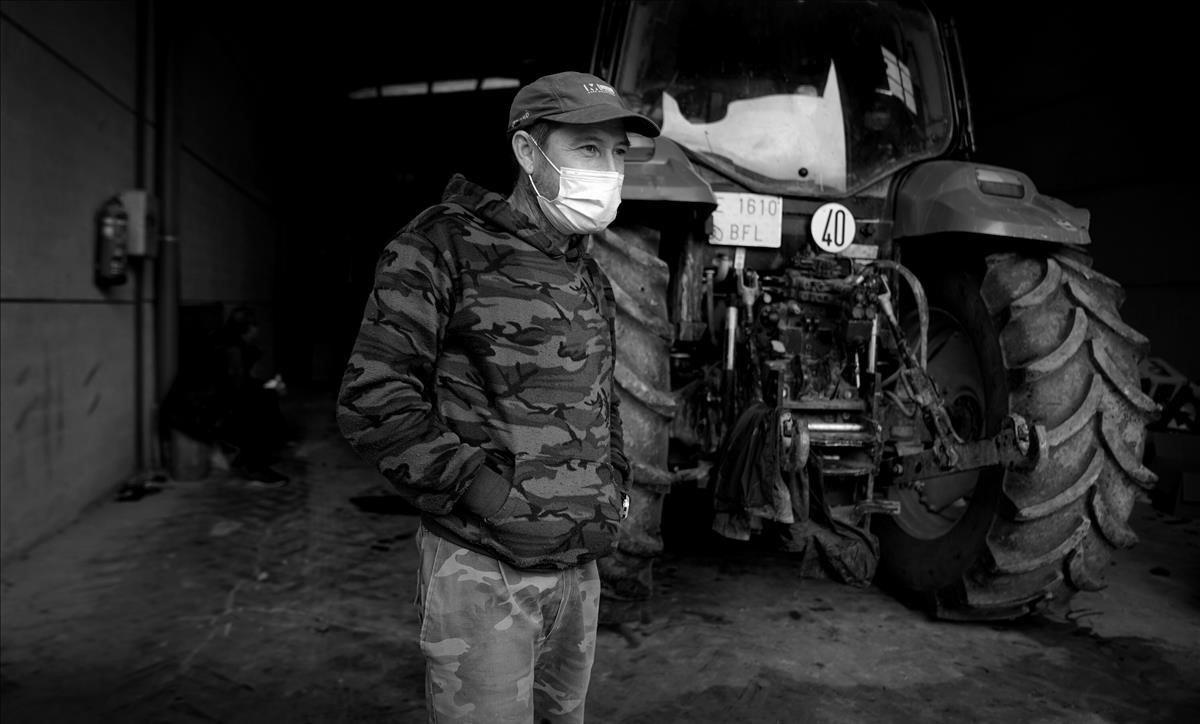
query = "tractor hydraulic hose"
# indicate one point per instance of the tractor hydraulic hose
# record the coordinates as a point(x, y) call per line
point(922, 303)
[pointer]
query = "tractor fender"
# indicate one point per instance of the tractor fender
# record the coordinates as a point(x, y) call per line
point(949, 196)
point(664, 174)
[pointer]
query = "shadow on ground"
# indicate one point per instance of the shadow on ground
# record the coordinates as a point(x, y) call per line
point(215, 601)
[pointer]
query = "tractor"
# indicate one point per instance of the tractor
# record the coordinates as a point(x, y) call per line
point(834, 322)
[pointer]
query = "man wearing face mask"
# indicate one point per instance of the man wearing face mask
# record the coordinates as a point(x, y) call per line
point(481, 385)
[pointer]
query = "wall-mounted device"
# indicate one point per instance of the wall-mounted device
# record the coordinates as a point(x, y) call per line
point(143, 238)
point(112, 244)
point(125, 228)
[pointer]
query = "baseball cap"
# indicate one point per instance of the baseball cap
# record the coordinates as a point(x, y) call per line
point(572, 97)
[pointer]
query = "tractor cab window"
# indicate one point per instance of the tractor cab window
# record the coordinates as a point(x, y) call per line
point(806, 97)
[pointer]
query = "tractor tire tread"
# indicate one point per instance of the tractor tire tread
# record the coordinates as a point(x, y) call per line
point(1072, 364)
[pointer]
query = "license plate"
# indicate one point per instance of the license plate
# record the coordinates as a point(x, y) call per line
point(747, 220)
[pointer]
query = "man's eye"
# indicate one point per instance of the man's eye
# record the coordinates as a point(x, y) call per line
point(591, 149)
point(621, 151)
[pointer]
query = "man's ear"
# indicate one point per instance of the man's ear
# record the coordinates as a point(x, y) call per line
point(523, 150)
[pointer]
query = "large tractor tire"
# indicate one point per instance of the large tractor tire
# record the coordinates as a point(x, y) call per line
point(1041, 337)
point(628, 256)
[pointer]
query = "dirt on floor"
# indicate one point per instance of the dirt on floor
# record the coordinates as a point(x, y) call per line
point(215, 601)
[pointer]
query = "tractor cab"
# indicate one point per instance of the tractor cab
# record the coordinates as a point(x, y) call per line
point(797, 99)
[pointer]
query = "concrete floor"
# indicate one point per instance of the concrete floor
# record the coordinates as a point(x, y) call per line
point(212, 601)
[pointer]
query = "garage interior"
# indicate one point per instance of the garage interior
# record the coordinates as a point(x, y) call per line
point(282, 175)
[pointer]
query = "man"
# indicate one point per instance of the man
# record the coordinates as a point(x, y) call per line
point(216, 397)
point(481, 385)
point(253, 422)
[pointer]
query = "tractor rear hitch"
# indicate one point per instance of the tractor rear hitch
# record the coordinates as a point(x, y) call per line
point(1018, 446)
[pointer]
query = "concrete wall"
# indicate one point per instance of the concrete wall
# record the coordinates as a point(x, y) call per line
point(68, 141)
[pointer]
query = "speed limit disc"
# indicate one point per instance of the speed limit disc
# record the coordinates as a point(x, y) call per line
point(833, 228)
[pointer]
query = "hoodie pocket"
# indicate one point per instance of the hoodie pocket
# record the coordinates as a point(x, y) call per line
point(560, 507)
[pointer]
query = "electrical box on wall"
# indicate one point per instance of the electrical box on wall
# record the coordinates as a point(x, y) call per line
point(142, 231)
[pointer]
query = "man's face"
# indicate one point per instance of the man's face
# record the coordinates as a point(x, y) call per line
point(594, 147)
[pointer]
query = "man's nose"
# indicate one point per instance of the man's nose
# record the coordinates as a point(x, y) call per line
point(614, 162)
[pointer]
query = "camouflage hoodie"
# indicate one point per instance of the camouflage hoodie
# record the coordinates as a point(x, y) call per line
point(481, 384)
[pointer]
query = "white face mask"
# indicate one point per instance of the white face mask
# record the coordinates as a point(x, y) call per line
point(587, 201)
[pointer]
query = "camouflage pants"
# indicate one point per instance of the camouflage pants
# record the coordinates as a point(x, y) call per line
point(503, 644)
